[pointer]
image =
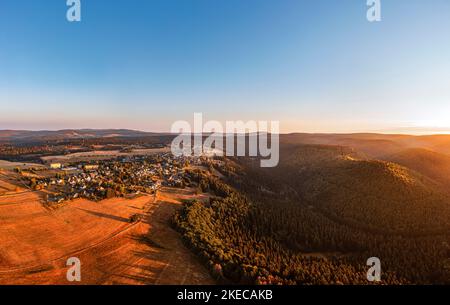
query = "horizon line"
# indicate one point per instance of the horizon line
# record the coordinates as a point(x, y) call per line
point(444, 132)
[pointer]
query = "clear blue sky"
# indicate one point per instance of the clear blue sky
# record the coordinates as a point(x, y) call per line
point(314, 65)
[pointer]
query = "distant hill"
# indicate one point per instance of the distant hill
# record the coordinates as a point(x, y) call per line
point(372, 144)
point(25, 135)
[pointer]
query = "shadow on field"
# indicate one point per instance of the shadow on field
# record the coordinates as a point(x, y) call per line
point(103, 215)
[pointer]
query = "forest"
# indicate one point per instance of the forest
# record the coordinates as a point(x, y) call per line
point(316, 219)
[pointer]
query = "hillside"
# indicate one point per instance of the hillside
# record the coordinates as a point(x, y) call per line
point(429, 163)
point(372, 144)
point(370, 194)
point(261, 232)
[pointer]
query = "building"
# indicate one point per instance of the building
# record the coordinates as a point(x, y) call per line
point(90, 167)
point(55, 165)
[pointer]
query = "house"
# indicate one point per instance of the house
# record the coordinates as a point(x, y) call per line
point(90, 167)
point(55, 165)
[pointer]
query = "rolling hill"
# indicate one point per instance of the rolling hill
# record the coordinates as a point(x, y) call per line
point(371, 194)
point(317, 217)
point(25, 135)
point(372, 144)
point(429, 163)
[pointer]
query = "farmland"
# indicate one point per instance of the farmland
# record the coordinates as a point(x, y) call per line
point(99, 155)
point(118, 241)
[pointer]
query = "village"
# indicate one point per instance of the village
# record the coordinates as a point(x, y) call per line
point(120, 177)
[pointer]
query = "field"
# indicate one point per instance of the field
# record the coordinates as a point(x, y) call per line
point(6, 187)
point(99, 155)
point(36, 242)
point(6, 165)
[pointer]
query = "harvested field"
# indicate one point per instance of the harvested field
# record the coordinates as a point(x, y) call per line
point(6, 187)
point(36, 242)
point(12, 165)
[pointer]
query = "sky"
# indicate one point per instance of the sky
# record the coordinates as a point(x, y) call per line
point(312, 65)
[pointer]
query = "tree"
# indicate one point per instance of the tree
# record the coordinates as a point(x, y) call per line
point(33, 184)
point(110, 193)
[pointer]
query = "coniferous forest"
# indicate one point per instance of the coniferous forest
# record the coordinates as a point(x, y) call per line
point(317, 218)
